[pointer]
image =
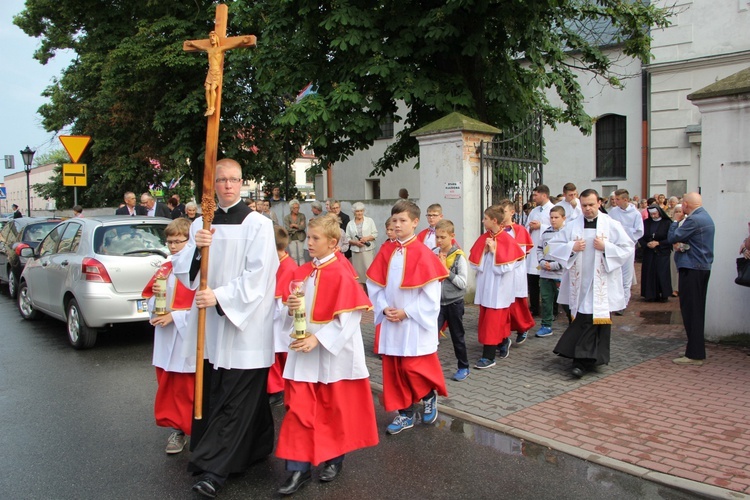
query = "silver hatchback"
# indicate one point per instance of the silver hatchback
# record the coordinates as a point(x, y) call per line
point(90, 272)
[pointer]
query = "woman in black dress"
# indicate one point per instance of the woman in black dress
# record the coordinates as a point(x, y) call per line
point(656, 282)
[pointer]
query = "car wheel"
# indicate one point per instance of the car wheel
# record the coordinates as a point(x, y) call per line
point(12, 285)
point(79, 335)
point(23, 299)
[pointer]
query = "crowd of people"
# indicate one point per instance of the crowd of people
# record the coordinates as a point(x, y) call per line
point(283, 304)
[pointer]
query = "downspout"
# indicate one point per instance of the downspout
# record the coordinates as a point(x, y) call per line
point(645, 136)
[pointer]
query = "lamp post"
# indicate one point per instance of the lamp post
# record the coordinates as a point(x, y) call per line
point(28, 157)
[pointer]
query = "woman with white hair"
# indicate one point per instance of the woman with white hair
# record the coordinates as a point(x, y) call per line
point(679, 215)
point(295, 224)
point(361, 232)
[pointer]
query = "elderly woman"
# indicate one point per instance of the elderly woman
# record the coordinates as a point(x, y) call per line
point(191, 211)
point(295, 224)
point(671, 203)
point(361, 233)
point(656, 284)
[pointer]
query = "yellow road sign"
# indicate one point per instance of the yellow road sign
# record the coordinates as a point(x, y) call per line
point(74, 174)
point(75, 145)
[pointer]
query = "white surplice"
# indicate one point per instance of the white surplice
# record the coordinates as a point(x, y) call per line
point(418, 335)
point(242, 273)
point(341, 353)
point(169, 352)
point(540, 214)
point(618, 249)
point(495, 283)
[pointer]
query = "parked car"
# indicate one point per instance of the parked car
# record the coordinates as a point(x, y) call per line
point(17, 234)
point(90, 273)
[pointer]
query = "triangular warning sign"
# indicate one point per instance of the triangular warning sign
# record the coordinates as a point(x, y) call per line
point(75, 145)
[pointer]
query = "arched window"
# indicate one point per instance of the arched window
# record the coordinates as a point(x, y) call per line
point(610, 147)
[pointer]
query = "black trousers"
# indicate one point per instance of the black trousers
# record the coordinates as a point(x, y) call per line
point(454, 315)
point(532, 280)
point(693, 290)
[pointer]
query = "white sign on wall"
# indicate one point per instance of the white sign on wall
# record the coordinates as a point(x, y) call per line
point(452, 190)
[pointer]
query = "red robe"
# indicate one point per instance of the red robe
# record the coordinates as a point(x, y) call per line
point(506, 251)
point(521, 319)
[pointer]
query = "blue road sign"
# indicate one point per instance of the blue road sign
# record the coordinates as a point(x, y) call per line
point(3, 193)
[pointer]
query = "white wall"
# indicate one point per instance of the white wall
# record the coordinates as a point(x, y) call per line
point(571, 155)
point(707, 41)
point(725, 177)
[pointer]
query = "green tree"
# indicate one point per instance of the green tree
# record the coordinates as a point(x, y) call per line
point(140, 96)
point(490, 59)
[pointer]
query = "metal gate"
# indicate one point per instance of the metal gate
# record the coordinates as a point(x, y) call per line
point(511, 165)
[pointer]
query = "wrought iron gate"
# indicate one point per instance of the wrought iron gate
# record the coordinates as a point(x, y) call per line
point(511, 164)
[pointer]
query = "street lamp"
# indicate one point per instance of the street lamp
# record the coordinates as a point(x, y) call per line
point(28, 156)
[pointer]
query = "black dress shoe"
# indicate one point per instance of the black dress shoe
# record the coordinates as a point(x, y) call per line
point(276, 399)
point(577, 372)
point(330, 471)
point(206, 487)
point(295, 482)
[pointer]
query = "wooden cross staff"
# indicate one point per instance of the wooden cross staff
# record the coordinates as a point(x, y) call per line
point(216, 44)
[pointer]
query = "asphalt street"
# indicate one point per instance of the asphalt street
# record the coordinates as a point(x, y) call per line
point(79, 425)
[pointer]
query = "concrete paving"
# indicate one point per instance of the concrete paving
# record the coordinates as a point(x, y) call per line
point(642, 414)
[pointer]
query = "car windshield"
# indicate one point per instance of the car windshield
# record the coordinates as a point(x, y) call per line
point(130, 239)
point(36, 232)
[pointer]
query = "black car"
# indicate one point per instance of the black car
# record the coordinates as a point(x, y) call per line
point(25, 232)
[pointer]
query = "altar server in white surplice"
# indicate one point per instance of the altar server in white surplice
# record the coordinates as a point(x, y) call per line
point(592, 248)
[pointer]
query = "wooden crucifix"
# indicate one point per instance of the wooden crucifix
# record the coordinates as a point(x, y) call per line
point(216, 44)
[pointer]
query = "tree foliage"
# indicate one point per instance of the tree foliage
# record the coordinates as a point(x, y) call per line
point(493, 60)
point(140, 97)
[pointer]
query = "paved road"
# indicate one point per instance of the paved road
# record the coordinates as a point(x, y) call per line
point(78, 424)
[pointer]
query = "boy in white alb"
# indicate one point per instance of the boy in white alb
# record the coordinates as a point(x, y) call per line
point(404, 285)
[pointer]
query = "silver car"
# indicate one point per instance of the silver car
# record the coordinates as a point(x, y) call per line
point(90, 272)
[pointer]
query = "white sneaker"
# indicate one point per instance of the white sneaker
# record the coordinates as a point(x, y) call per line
point(175, 443)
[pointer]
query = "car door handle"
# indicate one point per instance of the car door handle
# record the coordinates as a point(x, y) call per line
point(64, 263)
point(44, 264)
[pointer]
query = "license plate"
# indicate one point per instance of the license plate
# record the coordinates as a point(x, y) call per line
point(142, 305)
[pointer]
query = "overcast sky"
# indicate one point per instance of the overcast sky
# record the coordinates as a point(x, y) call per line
point(23, 80)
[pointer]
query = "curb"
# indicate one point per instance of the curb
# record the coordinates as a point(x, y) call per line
point(691, 486)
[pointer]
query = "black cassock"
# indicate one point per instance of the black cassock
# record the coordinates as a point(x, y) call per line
point(237, 426)
point(656, 282)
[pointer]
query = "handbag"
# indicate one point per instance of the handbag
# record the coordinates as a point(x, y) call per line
point(743, 272)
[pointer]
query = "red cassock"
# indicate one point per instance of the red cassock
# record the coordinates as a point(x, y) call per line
point(407, 379)
point(173, 404)
point(284, 275)
point(324, 421)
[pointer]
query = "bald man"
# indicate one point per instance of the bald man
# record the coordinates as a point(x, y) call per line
point(693, 259)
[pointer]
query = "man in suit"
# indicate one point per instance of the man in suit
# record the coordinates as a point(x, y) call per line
point(155, 209)
point(16, 212)
point(130, 207)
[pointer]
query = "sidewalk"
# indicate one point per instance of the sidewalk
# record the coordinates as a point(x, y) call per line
point(688, 427)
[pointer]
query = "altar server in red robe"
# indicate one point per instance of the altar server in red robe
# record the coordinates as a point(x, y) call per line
point(175, 372)
point(404, 285)
point(330, 410)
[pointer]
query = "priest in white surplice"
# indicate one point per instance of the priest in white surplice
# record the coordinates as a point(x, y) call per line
point(592, 248)
point(237, 425)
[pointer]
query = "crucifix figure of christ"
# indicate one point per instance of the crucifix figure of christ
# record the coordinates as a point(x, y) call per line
point(216, 44)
